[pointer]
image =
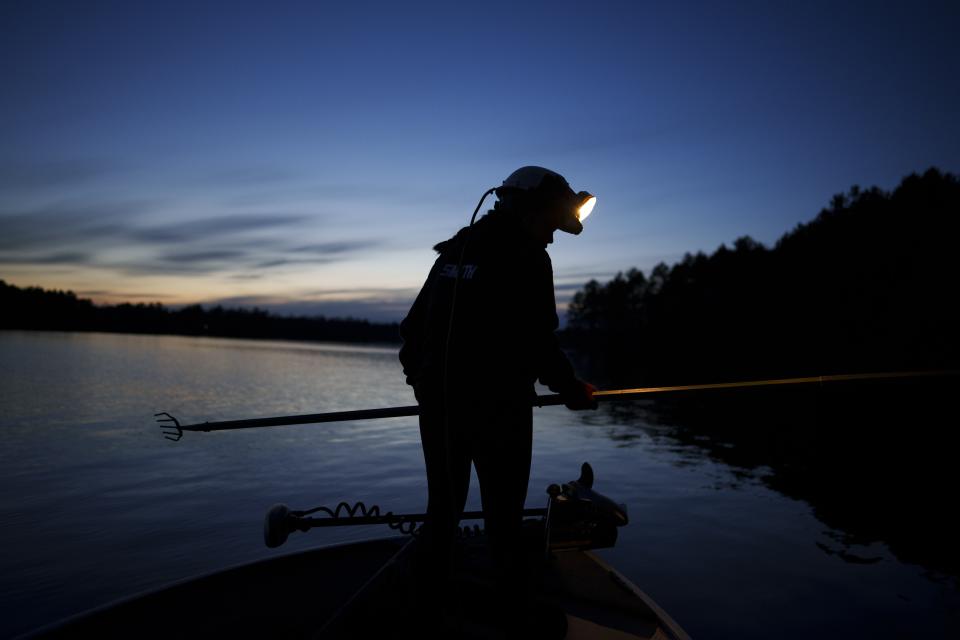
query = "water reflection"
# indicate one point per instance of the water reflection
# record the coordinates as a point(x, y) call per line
point(875, 460)
point(96, 505)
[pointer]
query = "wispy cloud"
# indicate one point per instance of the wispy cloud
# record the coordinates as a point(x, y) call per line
point(123, 236)
point(205, 229)
point(333, 248)
point(321, 253)
point(69, 223)
point(59, 257)
point(215, 255)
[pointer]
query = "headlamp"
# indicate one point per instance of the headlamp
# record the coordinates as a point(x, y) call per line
point(576, 210)
point(587, 203)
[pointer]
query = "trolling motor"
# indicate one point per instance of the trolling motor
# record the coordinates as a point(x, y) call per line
point(576, 517)
point(579, 518)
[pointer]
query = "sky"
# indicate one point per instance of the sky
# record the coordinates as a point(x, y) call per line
point(305, 156)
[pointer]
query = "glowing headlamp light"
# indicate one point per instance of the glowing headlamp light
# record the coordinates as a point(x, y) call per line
point(581, 206)
point(587, 203)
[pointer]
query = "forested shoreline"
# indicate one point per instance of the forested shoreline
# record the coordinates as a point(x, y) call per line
point(869, 285)
point(40, 309)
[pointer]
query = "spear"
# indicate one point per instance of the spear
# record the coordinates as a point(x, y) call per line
point(173, 430)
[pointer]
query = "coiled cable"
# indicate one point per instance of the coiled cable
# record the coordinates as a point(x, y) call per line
point(360, 509)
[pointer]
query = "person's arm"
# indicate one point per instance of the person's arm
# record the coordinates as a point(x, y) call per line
point(554, 369)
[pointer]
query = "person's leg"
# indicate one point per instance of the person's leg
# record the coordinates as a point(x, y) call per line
point(448, 480)
point(502, 457)
point(502, 451)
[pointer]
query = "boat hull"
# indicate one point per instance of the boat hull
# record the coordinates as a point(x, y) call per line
point(364, 589)
point(291, 596)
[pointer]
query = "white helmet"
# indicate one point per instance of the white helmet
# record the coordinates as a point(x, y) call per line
point(543, 185)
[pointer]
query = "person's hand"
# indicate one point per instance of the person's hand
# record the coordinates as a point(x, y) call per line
point(580, 396)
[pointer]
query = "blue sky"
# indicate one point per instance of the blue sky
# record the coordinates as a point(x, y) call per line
point(305, 156)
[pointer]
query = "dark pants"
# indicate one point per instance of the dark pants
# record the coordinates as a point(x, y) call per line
point(497, 440)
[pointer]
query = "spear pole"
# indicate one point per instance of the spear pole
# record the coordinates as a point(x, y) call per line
point(173, 430)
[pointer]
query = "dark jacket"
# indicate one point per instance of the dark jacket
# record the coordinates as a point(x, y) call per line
point(503, 324)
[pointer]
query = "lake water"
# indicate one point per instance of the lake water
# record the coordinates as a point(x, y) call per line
point(95, 505)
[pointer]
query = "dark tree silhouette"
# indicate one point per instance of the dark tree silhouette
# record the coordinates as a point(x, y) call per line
point(35, 308)
point(868, 285)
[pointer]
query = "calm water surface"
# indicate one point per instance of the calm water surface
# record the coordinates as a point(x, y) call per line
point(95, 505)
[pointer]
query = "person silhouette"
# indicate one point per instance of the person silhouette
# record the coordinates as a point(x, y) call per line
point(479, 334)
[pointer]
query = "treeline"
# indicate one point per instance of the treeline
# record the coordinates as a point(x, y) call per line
point(869, 285)
point(36, 308)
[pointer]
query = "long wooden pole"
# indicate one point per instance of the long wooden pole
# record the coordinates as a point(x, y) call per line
point(175, 429)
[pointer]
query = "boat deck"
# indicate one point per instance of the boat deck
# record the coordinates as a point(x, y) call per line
point(573, 595)
point(364, 590)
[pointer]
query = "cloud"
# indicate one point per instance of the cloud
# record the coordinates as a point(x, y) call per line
point(205, 229)
point(60, 257)
point(321, 253)
point(215, 255)
point(107, 222)
point(262, 254)
point(68, 223)
point(211, 261)
point(106, 234)
point(333, 248)
point(286, 262)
